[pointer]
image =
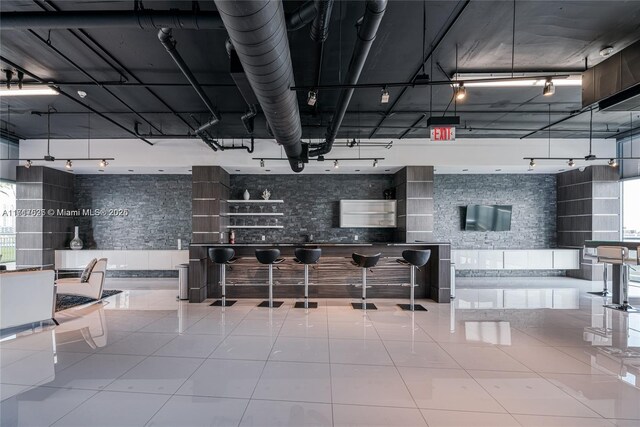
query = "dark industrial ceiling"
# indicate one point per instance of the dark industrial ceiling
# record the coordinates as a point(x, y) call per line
point(559, 36)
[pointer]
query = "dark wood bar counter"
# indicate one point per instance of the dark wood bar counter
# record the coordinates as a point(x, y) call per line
point(333, 277)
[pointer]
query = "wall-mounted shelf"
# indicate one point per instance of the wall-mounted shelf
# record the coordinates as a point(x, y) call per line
point(255, 201)
point(255, 226)
point(256, 214)
point(368, 214)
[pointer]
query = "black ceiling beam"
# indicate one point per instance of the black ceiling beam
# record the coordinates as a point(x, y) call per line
point(90, 77)
point(422, 63)
point(72, 98)
point(114, 59)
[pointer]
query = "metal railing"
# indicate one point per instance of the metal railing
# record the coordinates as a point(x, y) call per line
point(7, 247)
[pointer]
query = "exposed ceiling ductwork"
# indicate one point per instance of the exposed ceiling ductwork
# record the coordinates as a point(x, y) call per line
point(367, 30)
point(258, 33)
point(320, 26)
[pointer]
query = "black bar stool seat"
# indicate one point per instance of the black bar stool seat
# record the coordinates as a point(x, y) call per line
point(415, 259)
point(269, 257)
point(307, 256)
point(222, 257)
point(364, 262)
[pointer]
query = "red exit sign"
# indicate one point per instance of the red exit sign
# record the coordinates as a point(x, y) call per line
point(443, 133)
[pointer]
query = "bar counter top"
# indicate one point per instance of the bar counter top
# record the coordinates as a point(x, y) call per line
point(312, 244)
point(333, 276)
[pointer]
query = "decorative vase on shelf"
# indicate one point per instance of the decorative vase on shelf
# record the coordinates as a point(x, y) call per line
point(246, 195)
point(76, 243)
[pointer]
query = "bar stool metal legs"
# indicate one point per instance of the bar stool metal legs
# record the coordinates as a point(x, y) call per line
point(222, 302)
point(269, 257)
point(412, 306)
point(605, 291)
point(364, 305)
point(306, 303)
point(624, 291)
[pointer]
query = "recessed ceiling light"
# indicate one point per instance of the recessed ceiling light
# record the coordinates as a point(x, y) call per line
point(606, 51)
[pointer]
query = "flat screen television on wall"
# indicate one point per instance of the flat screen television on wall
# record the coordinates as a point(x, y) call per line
point(488, 218)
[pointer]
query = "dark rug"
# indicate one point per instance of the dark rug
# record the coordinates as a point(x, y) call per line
point(67, 301)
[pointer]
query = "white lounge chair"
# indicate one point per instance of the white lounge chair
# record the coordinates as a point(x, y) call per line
point(92, 288)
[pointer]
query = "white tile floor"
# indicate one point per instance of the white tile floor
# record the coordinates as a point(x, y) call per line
point(142, 358)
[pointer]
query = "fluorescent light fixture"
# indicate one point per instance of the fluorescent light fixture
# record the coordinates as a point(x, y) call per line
point(28, 90)
point(518, 80)
point(384, 96)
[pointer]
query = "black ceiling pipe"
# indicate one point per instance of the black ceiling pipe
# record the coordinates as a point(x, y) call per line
point(302, 16)
point(145, 19)
point(320, 26)
point(165, 37)
point(258, 32)
point(368, 27)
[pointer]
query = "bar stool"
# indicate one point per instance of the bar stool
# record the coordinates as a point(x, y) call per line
point(364, 262)
point(619, 256)
point(222, 257)
point(270, 257)
point(307, 256)
point(602, 260)
point(414, 259)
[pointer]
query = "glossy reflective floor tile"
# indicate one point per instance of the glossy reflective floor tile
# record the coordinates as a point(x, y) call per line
point(170, 363)
point(265, 413)
point(371, 416)
point(127, 409)
point(196, 411)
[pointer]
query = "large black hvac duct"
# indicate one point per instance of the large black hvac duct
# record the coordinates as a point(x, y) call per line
point(366, 35)
point(258, 32)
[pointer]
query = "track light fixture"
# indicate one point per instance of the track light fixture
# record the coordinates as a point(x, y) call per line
point(312, 98)
point(571, 163)
point(460, 92)
point(612, 162)
point(532, 164)
point(375, 163)
point(103, 163)
point(549, 89)
point(384, 96)
point(261, 163)
point(28, 164)
point(336, 165)
point(69, 164)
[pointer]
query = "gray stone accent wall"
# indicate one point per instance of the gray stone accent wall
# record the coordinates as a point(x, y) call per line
point(311, 206)
point(159, 211)
point(533, 220)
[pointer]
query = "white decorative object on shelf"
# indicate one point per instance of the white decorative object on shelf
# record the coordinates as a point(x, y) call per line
point(266, 194)
point(76, 243)
point(246, 195)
